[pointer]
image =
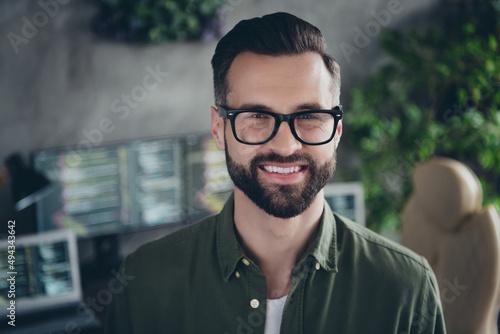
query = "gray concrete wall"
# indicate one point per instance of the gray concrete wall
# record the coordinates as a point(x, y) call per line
point(61, 85)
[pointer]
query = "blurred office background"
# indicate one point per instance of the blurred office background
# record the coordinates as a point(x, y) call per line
point(75, 77)
point(62, 80)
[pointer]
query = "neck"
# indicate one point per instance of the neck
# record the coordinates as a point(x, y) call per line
point(275, 244)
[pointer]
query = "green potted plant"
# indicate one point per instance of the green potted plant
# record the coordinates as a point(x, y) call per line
point(440, 95)
point(154, 21)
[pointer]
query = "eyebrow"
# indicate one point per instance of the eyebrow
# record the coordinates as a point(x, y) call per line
point(258, 106)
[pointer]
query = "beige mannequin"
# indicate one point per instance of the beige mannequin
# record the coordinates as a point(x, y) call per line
point(444, 222)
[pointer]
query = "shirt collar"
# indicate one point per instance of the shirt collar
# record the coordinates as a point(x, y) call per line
point(228, 248)
point(323, 249)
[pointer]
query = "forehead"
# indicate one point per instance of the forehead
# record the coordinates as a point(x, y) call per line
point(284, 81)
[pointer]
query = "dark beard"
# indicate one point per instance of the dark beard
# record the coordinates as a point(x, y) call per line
point(281, 201)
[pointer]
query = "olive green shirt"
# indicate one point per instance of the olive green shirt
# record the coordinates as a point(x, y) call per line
point(198, 280)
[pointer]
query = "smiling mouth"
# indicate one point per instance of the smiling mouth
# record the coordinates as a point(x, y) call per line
point(282, 170)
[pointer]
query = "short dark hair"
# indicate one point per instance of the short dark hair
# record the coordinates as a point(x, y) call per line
point(275, 34)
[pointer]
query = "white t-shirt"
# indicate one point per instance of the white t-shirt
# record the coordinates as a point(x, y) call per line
point(274, 313)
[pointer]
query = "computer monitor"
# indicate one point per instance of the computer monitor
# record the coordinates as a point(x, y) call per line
point(126, 186)
point(347, 199)
point(42, 273)
point(156, 176)
point(112, 188)
point(208, 184)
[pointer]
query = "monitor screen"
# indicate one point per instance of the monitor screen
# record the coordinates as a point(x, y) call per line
point(208, 184)
point(126, 186)
point(110, 189)
point(43, 273)
point(156, 176)
point(347, 199)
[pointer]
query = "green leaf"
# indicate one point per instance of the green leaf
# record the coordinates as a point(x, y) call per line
point(443, 69)
point(487, 159)
point(469, 28)
point(493, 43)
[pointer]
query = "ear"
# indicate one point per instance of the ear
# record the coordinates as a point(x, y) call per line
point(338, 134)
point(218, 129)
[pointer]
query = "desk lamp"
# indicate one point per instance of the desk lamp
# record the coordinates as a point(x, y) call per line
point(28, 186)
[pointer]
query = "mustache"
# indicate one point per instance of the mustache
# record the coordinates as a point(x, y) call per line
point(277, 158)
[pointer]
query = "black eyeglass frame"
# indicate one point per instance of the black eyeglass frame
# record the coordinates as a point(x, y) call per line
point(231, 114)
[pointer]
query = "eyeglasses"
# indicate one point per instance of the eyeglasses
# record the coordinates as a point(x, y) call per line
point(255, 127)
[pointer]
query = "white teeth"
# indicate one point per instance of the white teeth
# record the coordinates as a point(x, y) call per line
point(281, 170)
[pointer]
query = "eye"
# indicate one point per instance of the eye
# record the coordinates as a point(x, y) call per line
point(256, 115)
point(308, 116)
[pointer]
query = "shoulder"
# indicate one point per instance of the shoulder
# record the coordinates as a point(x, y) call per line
point(378, 253)
point(395, 277)
point(177, 246)
point(394, 269)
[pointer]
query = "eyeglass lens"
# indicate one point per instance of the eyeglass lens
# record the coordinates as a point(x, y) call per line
point(255, 127)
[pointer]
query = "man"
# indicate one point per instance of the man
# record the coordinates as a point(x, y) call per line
point(276, 259)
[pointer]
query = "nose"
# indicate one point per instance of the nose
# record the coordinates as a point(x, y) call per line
point(284, 143)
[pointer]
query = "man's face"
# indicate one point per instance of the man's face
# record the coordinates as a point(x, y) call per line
point(282, 176)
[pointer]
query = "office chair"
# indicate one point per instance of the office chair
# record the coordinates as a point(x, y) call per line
point(445, 222)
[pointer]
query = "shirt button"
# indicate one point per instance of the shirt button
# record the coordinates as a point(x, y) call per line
point(317, 266)
point(254, 303)
point(245, 262)
point(237, 274)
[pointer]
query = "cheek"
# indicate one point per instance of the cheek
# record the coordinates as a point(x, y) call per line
point(323, 154)
point(240, 153)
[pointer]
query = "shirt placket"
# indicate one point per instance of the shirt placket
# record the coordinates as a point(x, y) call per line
point(254, 320)
point(293, 312)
